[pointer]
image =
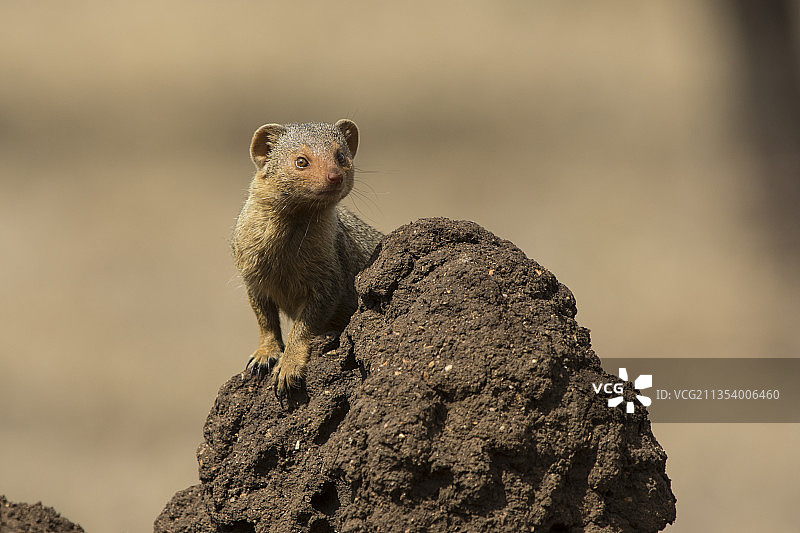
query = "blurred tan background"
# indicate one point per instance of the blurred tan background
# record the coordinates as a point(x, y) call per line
point(645, 152)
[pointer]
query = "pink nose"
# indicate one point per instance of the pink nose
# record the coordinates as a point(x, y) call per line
point(334, 177)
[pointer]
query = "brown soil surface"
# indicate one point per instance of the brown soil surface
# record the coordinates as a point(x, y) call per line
point(457, 399)
point(26, 518)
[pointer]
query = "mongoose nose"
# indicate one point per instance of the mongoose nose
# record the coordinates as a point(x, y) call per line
point(334, 177)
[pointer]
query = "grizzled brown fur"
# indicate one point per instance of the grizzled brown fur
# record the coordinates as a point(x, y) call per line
point(296, 248)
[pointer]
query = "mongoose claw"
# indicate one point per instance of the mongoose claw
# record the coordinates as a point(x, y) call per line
point(280, 386)
point(279, 392)
point(287, 379)
point(295, 394)
point(261, 369)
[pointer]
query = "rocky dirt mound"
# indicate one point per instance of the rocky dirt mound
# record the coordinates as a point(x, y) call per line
point(26, 518)
point(458, 399)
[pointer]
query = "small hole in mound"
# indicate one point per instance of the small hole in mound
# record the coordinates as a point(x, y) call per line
point(331, 423)
point(428, 488)
point(326, 501)
point(320, 525)
point(267, 460)
point(559, 528)
point(240, 526)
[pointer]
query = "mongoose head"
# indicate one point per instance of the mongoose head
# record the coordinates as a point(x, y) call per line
point(304, 166)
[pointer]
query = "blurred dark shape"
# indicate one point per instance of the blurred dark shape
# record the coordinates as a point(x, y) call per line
point(770, 71)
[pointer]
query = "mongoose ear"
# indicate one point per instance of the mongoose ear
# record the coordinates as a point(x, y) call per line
point(263, 140)
point(350, 132)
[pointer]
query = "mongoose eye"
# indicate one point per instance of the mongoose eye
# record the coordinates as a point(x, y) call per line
point(341, 159)
point(301, 162)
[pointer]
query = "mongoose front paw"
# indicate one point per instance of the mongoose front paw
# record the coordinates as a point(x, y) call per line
point(262, 362)
point(287, 375)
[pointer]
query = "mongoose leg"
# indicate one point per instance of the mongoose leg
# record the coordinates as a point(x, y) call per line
point(291, 369)
point(270, 344)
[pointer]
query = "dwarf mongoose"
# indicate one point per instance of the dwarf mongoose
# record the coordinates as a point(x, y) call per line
point(297, 249)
